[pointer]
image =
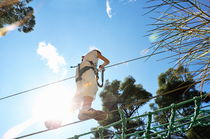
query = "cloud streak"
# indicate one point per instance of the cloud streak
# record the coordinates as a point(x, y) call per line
point(49, 52)
point(16, 130)
point(108, 9)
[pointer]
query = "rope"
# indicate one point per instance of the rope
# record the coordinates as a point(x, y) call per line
point(134, 59)
point(68, 79)
point(110, 112)
point(35, 88)
point(196, 111)
point(45, 85)
point(148, 124)
point(171, 120)
point(124, 120)
point(42, 131)
point(147, 132)
point(101, 130)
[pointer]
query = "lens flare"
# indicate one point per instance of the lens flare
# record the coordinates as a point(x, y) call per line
point(153, 37)
point(16, 130)
point(53, 104)
point(4, 30)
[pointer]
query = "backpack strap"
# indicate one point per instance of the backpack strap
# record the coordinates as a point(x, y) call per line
point(84, 69)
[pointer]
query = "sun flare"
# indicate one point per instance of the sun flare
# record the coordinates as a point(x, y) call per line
point(53, 104)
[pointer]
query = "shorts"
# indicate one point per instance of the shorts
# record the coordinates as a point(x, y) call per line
point(88, 85)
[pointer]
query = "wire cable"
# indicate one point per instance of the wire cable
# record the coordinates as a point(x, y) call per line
point(127, 106)
point(72, 123)
point(46, 130)
point(143, 100)
point(35, 88)
point(45, 85)
point(134, 59)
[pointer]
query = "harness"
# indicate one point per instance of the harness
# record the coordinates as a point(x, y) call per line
point(92, 67)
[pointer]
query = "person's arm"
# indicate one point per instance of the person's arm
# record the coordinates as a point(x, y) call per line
point(106, 61)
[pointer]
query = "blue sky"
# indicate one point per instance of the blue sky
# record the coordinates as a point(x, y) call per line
point(64, 31)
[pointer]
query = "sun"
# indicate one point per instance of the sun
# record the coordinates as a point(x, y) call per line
point(53, 103)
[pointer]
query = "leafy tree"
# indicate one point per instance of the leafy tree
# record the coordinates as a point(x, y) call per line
point(182, 27)
point(199, 132)
point(126, 95)
point(175, 85)
point(18, 13)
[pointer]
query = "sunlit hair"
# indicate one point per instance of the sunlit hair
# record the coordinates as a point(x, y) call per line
point(97, 51)
point(82, 58)
point(94, 49)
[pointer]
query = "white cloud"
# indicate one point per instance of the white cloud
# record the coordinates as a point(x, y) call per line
point(54, 61)
point(108, 9)
point(144, 52)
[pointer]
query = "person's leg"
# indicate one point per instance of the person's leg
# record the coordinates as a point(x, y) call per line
point(88, 91)
point(86, 112)
point(87, 102)
point(76, 102)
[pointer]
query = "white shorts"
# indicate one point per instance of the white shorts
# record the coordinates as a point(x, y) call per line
point(88, 85)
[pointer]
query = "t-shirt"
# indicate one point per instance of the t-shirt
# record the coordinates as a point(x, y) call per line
point(91, 56)
point(89, 74)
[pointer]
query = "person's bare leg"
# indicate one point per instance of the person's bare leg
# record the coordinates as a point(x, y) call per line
point(87, 112)
point(87, 102)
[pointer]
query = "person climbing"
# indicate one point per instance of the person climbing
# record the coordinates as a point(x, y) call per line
point(87, 87)
point(86, 81)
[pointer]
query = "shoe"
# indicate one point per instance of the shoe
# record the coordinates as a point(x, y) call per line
point(92, 114)
point(87, 114)
point(52, 124)
point(101, 115)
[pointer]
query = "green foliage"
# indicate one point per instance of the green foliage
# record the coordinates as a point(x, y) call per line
point(107, 134)
point(175, 85)
point(199, 132)
point(125, 95)
point(18, 12)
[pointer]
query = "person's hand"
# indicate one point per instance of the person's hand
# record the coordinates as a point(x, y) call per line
point(101, 67)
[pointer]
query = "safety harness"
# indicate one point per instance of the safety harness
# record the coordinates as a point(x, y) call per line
point(81, 71)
